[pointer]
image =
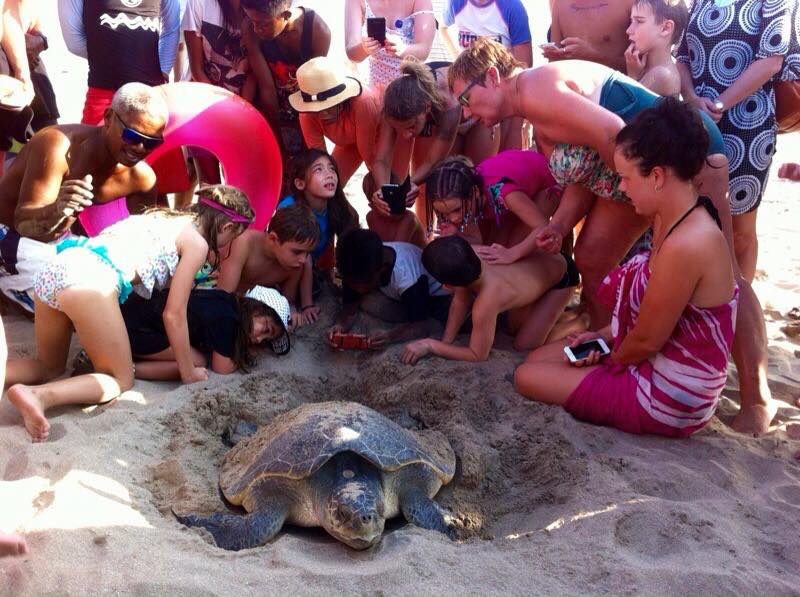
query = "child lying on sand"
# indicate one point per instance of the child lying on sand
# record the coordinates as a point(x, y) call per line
point(366, 264)
point(486, 291)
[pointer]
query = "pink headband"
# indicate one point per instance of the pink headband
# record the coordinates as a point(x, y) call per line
point(235, 217)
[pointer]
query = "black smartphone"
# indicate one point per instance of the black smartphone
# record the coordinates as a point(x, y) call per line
point(395, 197)
point(376, 28)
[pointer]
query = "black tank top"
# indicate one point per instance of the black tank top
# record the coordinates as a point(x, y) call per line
point(122, 42)
point(283, 65)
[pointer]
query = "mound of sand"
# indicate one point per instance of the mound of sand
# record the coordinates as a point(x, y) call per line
point(548, 504)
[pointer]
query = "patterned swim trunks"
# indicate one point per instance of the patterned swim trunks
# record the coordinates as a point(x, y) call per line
point(582, 165)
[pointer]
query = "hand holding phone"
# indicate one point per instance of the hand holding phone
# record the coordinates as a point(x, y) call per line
point(395, 196)
point(376, 28)
point(348, 341)
point(588, 352)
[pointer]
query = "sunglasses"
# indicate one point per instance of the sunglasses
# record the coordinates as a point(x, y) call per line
point(133, 137)
point(463, 99)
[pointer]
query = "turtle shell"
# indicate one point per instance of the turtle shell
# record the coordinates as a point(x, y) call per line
point(296, 444)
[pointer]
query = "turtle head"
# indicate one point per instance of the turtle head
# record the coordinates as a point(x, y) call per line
point(354, 511)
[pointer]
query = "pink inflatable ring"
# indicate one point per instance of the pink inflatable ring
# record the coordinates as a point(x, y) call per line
point(221, 122)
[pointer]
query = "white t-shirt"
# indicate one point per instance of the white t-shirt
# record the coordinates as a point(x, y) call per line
point(505, 21)
point(408, 269)
point(224, 57)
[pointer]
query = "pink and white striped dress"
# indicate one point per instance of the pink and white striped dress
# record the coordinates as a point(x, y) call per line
point(674, 392)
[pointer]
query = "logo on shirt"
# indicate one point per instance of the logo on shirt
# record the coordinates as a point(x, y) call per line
point(131, 3)
point(132, 23)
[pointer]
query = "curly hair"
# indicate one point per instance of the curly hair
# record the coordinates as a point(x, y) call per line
point(670, 134)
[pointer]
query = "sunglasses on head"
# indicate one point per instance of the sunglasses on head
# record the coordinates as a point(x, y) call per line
point(463, 99)
point(133, 137)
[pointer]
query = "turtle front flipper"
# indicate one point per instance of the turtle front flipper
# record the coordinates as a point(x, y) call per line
point(234, 532)
point(422, 511)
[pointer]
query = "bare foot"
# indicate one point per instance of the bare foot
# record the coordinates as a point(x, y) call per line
point(12, 545)
point(755, 419)
point(31, 410)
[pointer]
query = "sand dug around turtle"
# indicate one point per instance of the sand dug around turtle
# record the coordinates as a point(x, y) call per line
point(546, 504)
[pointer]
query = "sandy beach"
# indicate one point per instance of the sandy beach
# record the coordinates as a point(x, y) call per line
point(545, 504)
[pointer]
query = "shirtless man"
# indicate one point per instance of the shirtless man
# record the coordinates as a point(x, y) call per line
point(64, 169)
point(486, 291)
point(589, 30)
point(573, 102)
point(272, 259)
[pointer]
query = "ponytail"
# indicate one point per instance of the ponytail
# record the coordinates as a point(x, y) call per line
point(408, 96)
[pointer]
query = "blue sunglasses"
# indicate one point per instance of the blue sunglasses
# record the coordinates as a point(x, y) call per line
point(133, 137)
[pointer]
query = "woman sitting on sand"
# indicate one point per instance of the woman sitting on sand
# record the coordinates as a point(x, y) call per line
point(673, 308)
point(89, 278)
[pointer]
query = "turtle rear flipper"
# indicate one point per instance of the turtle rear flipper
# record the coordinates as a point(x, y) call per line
point(422, 511)
point(234, 532)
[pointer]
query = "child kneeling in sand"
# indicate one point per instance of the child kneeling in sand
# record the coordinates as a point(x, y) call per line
point(485, 291)
point(275, 258)
point(367, 264)
point(221, 324)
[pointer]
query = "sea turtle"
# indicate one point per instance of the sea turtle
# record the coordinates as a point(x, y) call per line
point(338, 465)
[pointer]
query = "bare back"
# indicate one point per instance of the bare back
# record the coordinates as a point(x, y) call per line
point(249, 263)
point(516, 285)
point(562, 100)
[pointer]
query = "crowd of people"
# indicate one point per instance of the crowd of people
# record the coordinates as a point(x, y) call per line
point(650, 128)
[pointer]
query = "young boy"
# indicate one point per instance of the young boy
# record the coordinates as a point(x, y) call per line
point(486, 291)
point(656, 26)
point(275, 258)
point(365, 264)
point(279, 39)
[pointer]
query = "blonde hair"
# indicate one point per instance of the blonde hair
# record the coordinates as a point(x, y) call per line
point(480, 56)
point(409, 95)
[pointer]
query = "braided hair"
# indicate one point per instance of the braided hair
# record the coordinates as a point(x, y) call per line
point(455, 177)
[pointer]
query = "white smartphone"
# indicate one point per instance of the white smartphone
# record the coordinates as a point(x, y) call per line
point(583, 350)
point(550, 46)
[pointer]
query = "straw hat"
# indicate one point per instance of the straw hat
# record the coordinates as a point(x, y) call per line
point(280, 306)
point(322, 84)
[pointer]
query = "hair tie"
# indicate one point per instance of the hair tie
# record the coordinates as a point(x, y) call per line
point(233, 215)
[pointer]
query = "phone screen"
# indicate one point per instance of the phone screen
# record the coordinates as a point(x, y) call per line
point(376, 28)
point(581, 351)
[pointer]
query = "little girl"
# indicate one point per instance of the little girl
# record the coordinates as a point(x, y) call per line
point(315, 181)
point(88, 279)
point(221, 324)
point(497, 203)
